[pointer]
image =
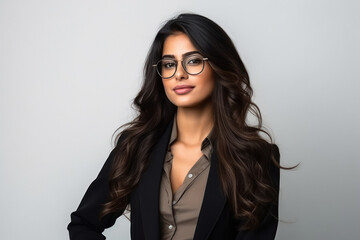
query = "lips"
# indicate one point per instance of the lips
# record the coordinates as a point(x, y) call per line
point(183, 89)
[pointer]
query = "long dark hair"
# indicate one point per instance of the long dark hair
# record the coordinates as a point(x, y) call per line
point(245, 157)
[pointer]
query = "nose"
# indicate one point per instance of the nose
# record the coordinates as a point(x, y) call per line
point(181, 74)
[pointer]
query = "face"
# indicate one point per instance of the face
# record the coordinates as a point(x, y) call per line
point(183, 89)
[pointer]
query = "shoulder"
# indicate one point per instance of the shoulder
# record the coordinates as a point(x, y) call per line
point(275, 152)
point(274, 164)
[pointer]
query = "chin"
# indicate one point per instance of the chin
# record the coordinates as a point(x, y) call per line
point(191, 104)
point(190, 101)
point(184, 105)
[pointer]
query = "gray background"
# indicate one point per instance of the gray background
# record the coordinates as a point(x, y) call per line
point(69, 70)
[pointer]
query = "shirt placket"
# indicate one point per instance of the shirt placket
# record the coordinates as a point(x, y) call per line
point(193, 173)
point(171, 225)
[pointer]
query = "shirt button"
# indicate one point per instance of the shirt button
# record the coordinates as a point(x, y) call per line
point(190, 175)
point(170, 227)
point(173, 202)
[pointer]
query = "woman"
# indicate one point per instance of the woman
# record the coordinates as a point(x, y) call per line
point(189, 166)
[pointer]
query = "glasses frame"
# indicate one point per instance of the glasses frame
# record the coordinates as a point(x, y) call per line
point(182, 64)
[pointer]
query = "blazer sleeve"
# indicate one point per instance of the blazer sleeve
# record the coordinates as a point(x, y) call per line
point(85, 222)
point(268, 226)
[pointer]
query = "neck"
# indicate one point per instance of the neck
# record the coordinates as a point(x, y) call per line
point(194, 125)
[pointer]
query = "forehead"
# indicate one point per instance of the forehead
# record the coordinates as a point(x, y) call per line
point(177, 44)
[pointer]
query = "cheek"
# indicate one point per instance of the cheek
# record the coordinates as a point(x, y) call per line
point(208, 83)
point(210, 86)
point(166, 88)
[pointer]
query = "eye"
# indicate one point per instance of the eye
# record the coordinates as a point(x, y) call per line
point(168, 64)
point(194, 60)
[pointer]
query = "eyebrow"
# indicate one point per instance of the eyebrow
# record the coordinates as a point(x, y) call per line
point(184, 55)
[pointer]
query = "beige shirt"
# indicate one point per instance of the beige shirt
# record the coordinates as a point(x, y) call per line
point(179, 212)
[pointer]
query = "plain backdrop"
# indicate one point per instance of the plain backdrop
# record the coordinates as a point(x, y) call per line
point(69, 70)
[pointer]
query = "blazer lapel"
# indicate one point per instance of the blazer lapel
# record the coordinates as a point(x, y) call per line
point(213, 203)
point(149, 187)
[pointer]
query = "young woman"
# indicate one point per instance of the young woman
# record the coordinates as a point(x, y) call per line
point(188, 166)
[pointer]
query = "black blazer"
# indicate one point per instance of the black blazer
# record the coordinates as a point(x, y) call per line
point(215, 219)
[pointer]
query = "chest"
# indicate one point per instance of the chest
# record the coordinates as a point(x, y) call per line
point(183, 159)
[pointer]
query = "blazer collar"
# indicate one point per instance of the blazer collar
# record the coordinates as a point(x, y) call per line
point(149, 187)
point(213, 202)
point(149, 191)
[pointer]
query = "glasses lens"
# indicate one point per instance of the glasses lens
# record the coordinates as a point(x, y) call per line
point(194, 64)
point(166, 68)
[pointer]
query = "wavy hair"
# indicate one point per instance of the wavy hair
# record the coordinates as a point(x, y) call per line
point(245, 157)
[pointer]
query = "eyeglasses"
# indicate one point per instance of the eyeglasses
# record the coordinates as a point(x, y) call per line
point(192, 64)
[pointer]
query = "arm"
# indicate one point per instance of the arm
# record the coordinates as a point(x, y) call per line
point(85, 222)
point(268, 226)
